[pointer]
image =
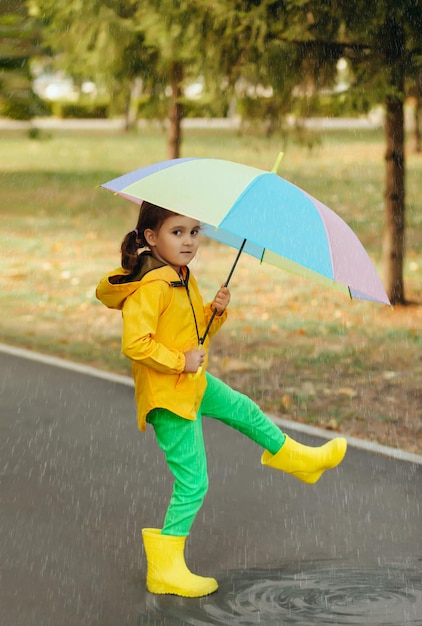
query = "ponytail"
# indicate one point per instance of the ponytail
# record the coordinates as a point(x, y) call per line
point(130, 251)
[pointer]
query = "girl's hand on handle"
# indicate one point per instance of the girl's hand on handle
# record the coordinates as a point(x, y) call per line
point(194, 360)
point(221, 300)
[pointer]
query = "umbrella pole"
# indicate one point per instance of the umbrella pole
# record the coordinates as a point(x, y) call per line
point(226, 284)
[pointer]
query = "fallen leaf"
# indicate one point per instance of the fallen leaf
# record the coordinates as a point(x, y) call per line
point(286, 401)
point(347, 391)
point(235, 365)
point(389, 375)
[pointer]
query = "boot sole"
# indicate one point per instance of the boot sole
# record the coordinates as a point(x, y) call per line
point(185, 593)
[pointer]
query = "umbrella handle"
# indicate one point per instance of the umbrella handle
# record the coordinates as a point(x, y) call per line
point(196, 374)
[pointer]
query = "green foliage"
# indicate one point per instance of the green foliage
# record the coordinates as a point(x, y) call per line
point(156, 107)
point(97, 41)
point(152, 107)
point(89, 109)
point(260, 109)
point(18, 44)
point(23, 105)
point(204, 108)
point(344, 104)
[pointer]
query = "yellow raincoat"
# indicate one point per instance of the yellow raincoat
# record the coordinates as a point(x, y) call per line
point(163, 317)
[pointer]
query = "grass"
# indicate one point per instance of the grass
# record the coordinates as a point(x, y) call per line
point(301, 351)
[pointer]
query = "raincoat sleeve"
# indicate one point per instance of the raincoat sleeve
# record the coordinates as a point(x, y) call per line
point(218, 320)
point(141, 314)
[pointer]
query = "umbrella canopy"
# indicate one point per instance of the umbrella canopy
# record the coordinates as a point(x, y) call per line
point(282, 224)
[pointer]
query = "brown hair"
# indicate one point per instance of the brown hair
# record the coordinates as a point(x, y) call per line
point(150, 216)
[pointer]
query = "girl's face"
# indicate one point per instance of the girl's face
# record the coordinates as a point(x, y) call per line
point(175, 242)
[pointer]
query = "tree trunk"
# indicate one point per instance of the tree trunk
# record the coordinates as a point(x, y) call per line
point(393, 244)
point(175, 110)
point(134, 92)
point(417, 139)
point(394, 226)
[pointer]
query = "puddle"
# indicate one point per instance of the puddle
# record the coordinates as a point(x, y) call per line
point(324, 594)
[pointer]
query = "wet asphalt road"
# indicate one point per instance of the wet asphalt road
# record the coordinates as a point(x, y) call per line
point(78, 482)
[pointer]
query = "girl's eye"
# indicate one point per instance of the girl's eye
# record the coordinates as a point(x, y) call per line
point(194, 232)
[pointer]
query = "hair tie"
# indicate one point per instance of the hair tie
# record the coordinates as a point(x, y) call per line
point(135, 230)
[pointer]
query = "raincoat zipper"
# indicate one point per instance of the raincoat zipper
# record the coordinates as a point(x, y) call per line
point(184, 283)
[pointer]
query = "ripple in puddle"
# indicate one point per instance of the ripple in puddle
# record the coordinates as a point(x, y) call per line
point(314, 594)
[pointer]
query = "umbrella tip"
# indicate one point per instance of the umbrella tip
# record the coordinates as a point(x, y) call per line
point(277, 163)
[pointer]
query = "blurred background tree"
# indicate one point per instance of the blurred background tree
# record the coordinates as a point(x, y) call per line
point(174, 29)
point(19, 42)
point(98, 41)
point(383, 46)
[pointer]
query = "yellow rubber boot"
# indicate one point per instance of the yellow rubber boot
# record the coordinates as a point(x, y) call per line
point(306, 463)
point(166, 568)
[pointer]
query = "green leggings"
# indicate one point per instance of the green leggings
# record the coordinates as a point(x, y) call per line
point(182, 442)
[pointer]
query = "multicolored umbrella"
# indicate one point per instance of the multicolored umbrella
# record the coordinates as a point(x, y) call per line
point(261, 213)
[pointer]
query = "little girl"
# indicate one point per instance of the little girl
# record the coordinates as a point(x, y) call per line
point(164, 320)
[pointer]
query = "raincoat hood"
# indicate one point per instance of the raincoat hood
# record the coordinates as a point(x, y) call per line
point(116, 286)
